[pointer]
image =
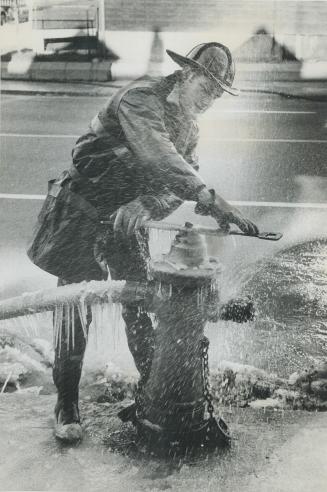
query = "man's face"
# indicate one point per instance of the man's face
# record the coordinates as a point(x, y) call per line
point(198, 93)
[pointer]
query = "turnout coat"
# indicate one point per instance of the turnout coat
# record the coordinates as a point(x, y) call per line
point(140, 144)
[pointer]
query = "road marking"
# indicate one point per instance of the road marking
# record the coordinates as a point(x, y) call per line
point(264, 111)
point(269, 140)
point(36, 135)
point(16, 196)
point(279, 204)
point(13, 196)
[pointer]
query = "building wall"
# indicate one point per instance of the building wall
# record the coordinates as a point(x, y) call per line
point(282, 16)
point(300, 25)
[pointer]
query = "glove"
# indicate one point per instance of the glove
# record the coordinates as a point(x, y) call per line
point(130, 217)
point(224, 213)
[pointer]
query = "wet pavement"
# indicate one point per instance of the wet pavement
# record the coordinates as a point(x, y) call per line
point(273, 450)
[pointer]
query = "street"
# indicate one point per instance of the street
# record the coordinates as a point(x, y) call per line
point(251, 149)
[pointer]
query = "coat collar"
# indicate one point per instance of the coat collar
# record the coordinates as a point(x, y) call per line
point(173, 96)
point(172, 93)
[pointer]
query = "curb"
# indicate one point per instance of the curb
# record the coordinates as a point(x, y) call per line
point(98, 89)
point(17, 92)
point(72, 93)
point(22, 92)
point(42, 88)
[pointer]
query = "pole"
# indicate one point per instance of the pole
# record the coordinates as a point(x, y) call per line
point(101, 20)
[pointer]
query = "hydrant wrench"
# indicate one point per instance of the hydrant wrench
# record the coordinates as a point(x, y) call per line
point(210, 231)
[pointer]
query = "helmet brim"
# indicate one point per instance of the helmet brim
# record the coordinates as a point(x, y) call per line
point(183, 61)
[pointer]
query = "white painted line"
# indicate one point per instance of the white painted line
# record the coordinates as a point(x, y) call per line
point(270, 140)
point(13, 196)
point(264, 111)
point(279, 204)
point(36, 135)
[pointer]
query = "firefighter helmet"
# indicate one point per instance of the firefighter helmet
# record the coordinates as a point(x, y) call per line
point(213, 59)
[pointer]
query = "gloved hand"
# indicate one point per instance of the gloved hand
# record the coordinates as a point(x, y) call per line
point(211, 204)
point(133, 215)
point(130, 217)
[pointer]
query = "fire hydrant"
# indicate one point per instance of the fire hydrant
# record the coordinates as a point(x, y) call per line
point(171, 405)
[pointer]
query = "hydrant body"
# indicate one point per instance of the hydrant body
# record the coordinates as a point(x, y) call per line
point(171, 404)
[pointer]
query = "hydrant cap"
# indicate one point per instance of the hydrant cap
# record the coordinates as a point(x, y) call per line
point(189, 249)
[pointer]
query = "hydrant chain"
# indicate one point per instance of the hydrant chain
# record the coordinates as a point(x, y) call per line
point(205, 371)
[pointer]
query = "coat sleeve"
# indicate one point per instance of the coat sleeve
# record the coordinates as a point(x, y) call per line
point(190, 155)
point(141, 116)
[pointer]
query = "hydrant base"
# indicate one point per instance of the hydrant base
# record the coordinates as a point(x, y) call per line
point(207, 436)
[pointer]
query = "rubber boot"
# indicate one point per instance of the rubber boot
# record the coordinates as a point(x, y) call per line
point(140, 339)
point(69, 354)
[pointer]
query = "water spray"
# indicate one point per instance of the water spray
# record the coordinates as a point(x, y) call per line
point(174, 405)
